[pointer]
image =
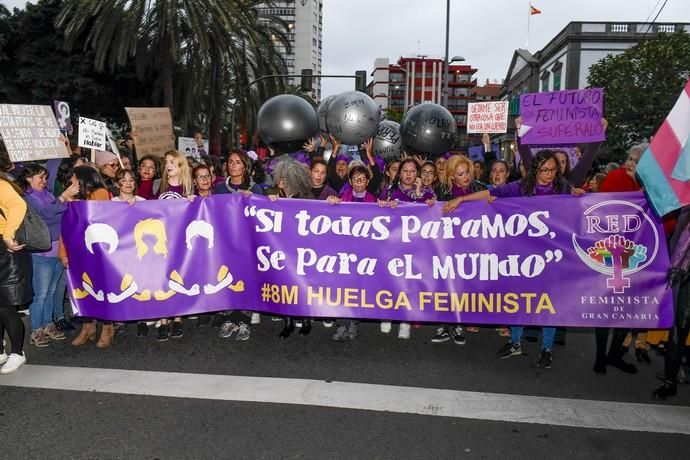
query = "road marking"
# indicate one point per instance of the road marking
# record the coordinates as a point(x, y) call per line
point(578, 413)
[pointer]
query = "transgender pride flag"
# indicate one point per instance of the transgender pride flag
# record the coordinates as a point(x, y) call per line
point(664, 168)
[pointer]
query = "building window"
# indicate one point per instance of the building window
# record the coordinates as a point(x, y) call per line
point(557, 70)
point(545, 80)
point(619, 27)
point(667, 28)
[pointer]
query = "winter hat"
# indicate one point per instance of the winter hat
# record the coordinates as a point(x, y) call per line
point(103, 158)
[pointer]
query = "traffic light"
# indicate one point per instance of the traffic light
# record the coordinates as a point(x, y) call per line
point(361, 81)
point(306, 80)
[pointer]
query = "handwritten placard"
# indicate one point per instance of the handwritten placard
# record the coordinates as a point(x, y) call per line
point(152, 130)
point(562, 117)
point(91, 134)
point(30, 132)
point(487, 117)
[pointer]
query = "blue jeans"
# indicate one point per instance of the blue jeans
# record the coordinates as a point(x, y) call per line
point(47, 271)
point(59, 297)
point(547, 335)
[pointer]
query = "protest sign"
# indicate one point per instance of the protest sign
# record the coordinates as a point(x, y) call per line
point(487, 117)
point(598, 260)
point(188, 146)
point(63, 116)
point(562, 117)
point(476, 153)
point(152, 130)
point(30, 132)
point(91, 134)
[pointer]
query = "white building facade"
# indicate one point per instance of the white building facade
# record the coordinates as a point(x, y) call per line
point(304, 19)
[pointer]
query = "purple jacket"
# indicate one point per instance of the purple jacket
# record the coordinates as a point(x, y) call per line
point(348, 195)
point(49, 208)
point(514, 189)
point(396, 193)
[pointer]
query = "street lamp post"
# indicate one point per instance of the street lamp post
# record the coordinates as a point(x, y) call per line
point(446, 62)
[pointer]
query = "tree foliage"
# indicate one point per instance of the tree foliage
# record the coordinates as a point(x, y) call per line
point(36, 69)
point(641, 86)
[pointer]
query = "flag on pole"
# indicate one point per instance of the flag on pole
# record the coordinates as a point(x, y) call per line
point(533, 10)
point(664, 168)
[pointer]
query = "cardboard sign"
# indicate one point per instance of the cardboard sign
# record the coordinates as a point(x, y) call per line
point(188, 146)
point(152, 130)
point(562, 117)
point(91, 134)
point(30, 132)
point(487, 117)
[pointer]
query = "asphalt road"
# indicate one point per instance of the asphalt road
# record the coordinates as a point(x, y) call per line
point(56, 423)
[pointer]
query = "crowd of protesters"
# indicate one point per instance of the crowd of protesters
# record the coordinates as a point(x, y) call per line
point(322, 170)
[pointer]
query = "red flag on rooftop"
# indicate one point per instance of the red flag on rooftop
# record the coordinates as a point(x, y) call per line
point(533, 10)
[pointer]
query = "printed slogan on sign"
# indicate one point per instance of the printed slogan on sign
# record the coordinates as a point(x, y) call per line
point(597, 260)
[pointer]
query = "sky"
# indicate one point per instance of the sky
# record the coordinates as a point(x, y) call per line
point(485, 32)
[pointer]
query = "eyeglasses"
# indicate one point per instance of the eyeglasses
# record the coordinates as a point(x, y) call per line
point(359, 180)
point(203, 177)
point(547, 171)
point(112, 165)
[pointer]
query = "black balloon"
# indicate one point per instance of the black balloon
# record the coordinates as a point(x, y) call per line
point(387, 141)
point(287, 119)
point(353, 117)
point(428, 129)
point(322, 112)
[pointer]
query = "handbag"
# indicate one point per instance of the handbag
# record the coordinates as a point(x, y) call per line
point(33, 232)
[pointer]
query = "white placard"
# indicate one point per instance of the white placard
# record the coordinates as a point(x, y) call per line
point(91, 134)
point(30, 132)
point(487, 117)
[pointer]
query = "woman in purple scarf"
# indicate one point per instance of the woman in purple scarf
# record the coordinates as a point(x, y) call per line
point(543, 178)
point(407, 185)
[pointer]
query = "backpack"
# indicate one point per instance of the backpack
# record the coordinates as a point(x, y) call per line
point(33, 232)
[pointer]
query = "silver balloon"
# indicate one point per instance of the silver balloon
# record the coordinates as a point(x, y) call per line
point(428, 129)
point(387, 141)
point(353, 117)
point(322, 111)
point(286, 118)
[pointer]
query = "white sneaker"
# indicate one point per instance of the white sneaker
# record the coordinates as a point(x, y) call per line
point(3, 358)
point(13, 363)
point(256, 318)
point(404, 331)
point(327, 323)
point(386, 327)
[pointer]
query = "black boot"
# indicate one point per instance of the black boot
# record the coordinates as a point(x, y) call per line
point(642, 356)
point(667, 389)
point(600, 365)
point(615, 359)
point(288, 327)
point(306, 326)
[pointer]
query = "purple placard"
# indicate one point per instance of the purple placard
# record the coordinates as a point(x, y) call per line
point(63, 117)
point(476, 153)
point(562, 117)
point(596, 260)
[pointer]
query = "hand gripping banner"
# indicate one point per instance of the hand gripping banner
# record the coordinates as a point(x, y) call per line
point(598, 260)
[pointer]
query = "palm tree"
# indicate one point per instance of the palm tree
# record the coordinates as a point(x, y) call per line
point(210, 49)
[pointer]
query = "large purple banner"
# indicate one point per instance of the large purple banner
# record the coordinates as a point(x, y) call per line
point(562, 117)
point(595, 260)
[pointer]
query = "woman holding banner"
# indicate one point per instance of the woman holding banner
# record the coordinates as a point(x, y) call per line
point(359, 177)
point(459, 180)
point(543, 178)
point(176, 183)
point(91, 187)
point(292, 181)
